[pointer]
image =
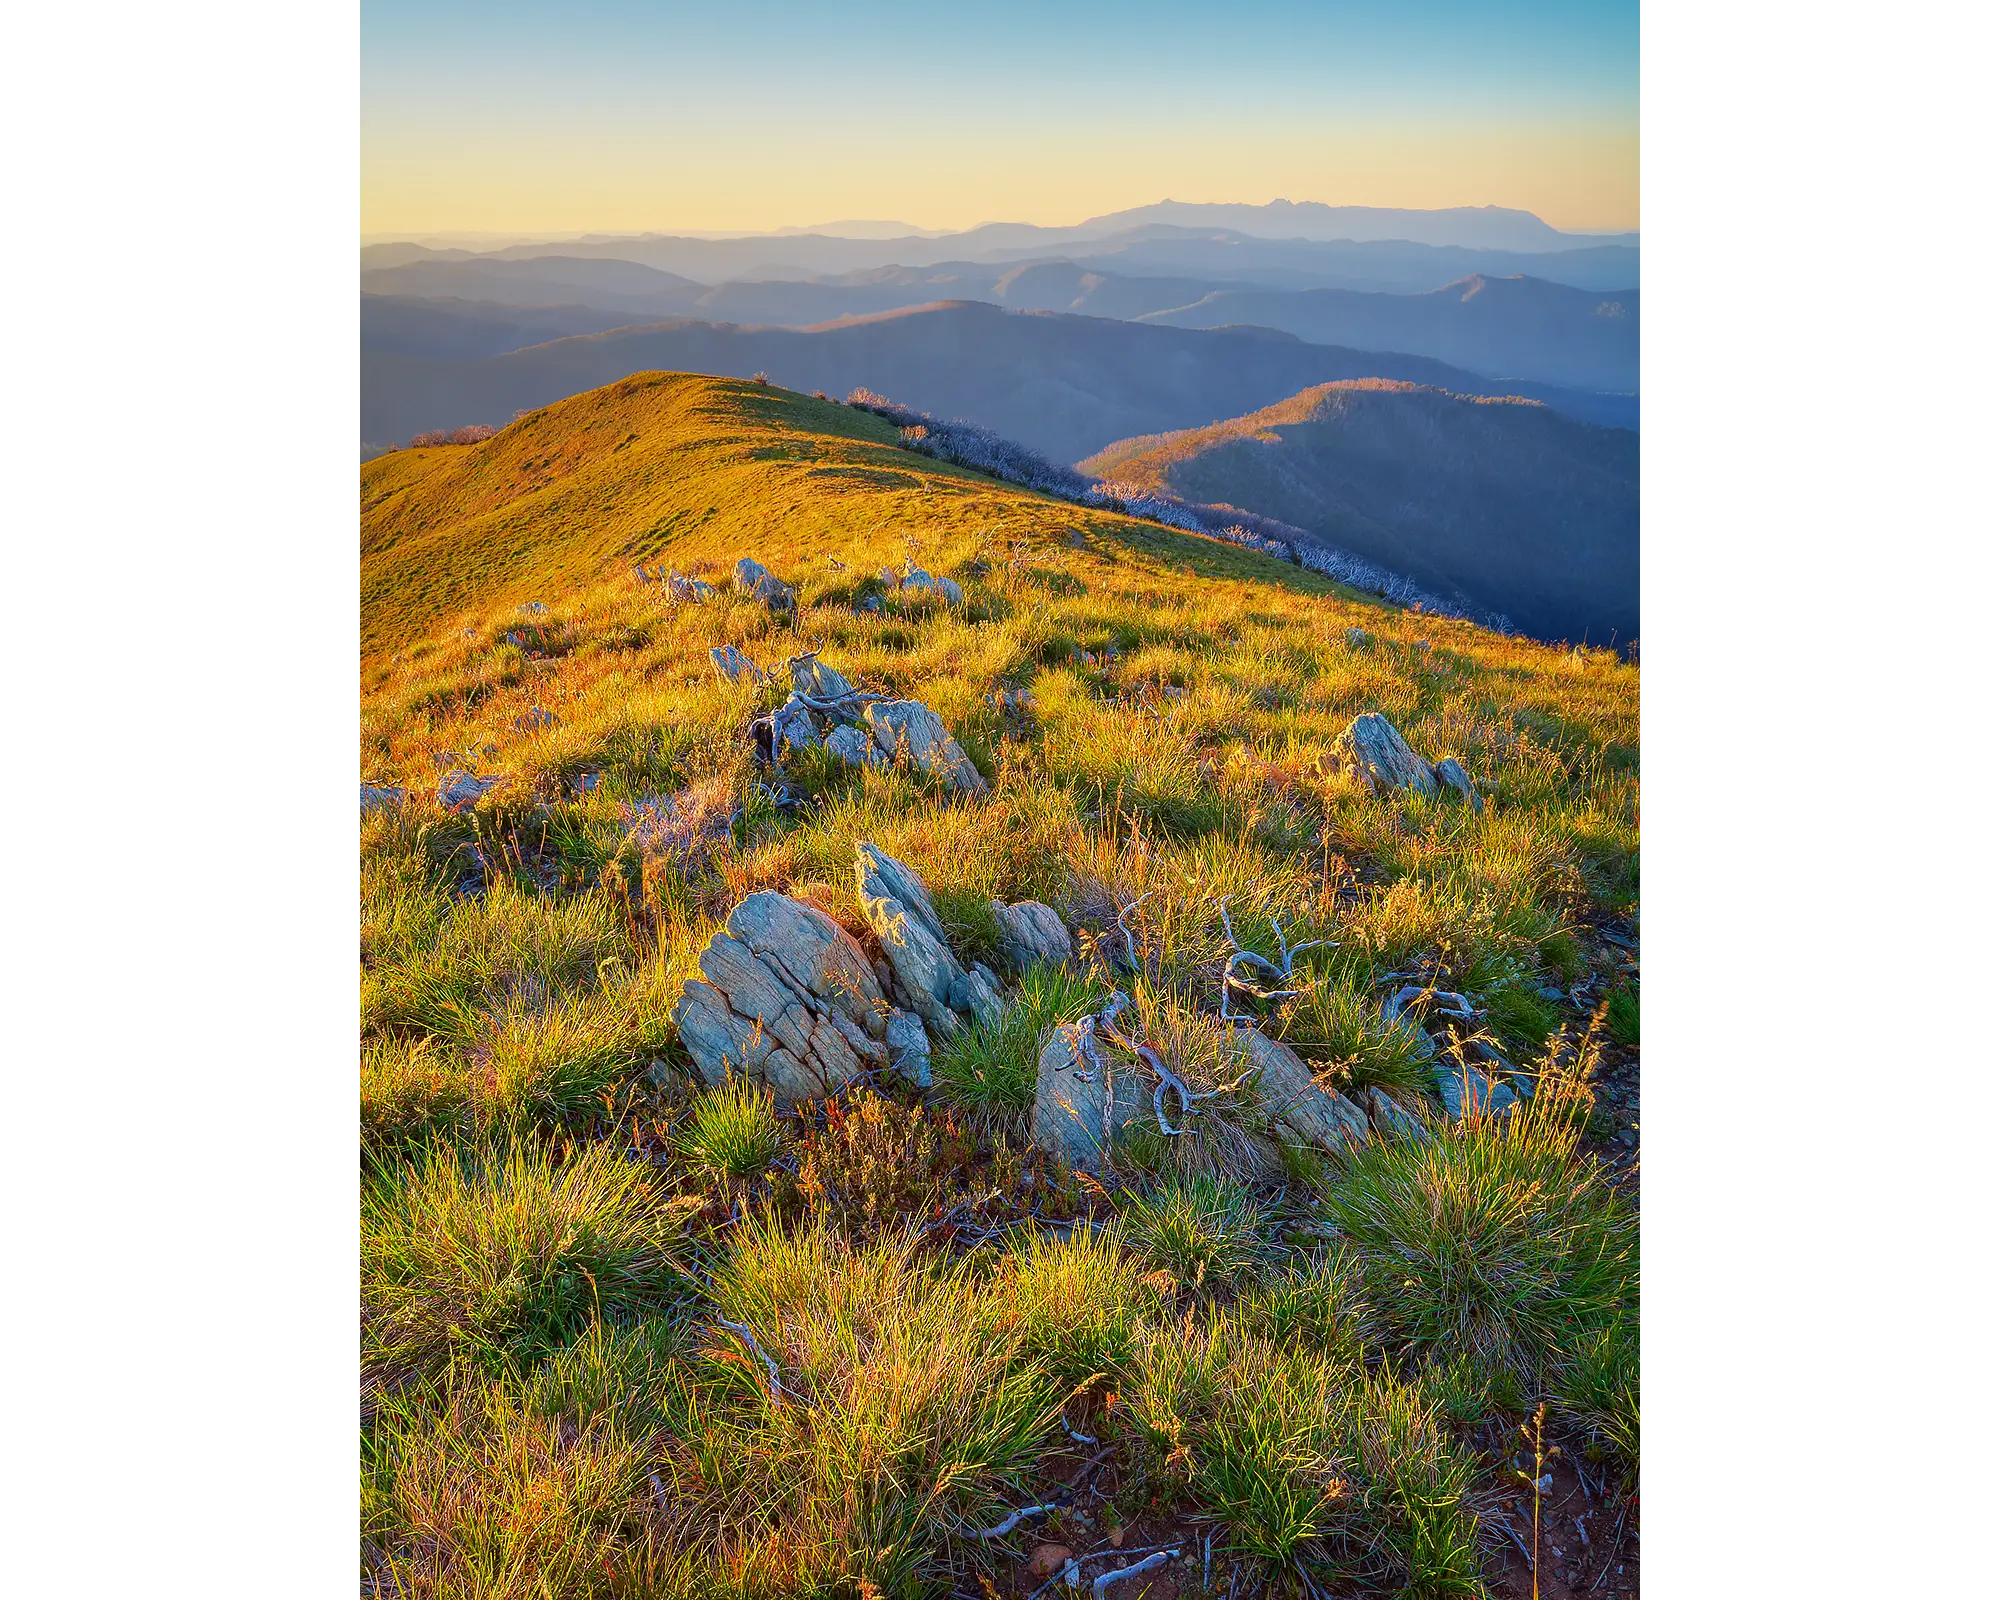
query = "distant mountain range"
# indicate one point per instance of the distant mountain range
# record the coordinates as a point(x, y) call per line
point(1066, 385)
point(1521, 326)
point(1499, 505)
point(1277, 245)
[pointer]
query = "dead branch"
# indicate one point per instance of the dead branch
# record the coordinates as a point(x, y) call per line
point(778, 1390)
point(1011, 1521)
point(1119, 1574)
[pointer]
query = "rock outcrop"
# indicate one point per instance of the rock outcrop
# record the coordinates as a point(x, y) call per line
point(919, 582)
point(1390, 1119)
point(461, 791)
point(1031, 935)
point(928, 977)
point(376, 797)
point(1078, 1115)
point(1372, 751)
point(1466, 1091)
point(909, 730)
point(786, 998)
point(755, 580)
point(1301, 1110)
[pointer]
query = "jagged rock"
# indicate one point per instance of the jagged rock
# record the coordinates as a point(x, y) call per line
point(1357, 637)
point(918, 581)
point(753, 579)
point(641, 574)
point(381, 797)
point(910, 728)
point(460, 791)
point(792, 728)
point(1465, 1089)
point(1072, 1119)
point(1031, 935)
point(732, 665)
point(812, 676)
point(786, 998)
point(1373, 751)
point(1452, 775)
point(682, 587)
point(534, 719)
point(929, 980)
point(1390, 1119)
point(1300, 1109)
point(534, 608)
point(909, 1048)
point(855, 747)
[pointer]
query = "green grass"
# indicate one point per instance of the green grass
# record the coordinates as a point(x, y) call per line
point(555, 1229)
point(731, 1130)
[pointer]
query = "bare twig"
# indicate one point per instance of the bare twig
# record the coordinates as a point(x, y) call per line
point(1120, 1574)
point(1131, 951)
point(778, 1389)
point(1011, 1521)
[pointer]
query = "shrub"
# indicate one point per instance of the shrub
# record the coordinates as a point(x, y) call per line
point(875, 1162)
point(488, 1254)
point(731, 1130)
point(469, 435)
point(1198, 1229)
point(1075, 1302)
point(1497, 1239)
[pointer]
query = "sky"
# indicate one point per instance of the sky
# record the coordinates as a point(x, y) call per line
point(620, 116)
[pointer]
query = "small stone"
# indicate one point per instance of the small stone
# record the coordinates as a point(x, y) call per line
point(693, 590)
point(460, 791)
point(920, 582)
point(1372, 751)
point(1031, 935)
point(753, 579)
point(1466, 1091)
point(732, 665)
point(909, 1048)
point(909, 729)
point(534, 608)
point(1452, 775)
point(381, 797)
point(534, 719)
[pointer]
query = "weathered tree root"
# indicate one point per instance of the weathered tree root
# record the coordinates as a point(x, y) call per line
point(1269, 977)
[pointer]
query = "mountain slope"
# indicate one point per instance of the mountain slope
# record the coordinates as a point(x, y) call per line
point(1064, 385)
point(1505, 505)
point(1504, 327)
point(577, 1243)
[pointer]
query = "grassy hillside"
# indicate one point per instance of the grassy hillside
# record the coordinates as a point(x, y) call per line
point(621, 1336)
point(1063, 385)
point(1504, 506)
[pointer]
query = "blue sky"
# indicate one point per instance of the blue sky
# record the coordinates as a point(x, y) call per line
point(617, 115)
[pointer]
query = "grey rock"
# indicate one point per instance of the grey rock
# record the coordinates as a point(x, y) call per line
point(1374, 752)
point(692, 590)
point(909, 1048)
point(792, 728)
point(812, 676)
point(381, 797)
point(1032, 935)
point(889, 579)
point(1301, 1110)
point(1452, 775)
point(1466, 1090)
point(920, 582)
point(1357, 637)
point(854, 747)
point(928, 977)
point(460, 791)
point(516, 640)
point(534, 719)
point(910, 729)
point(534, 608)
point(870, 603)
point(1390, 1119)
point(786, 998)
point(753, 579)
point(732, 665)
point(1073, 1120)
